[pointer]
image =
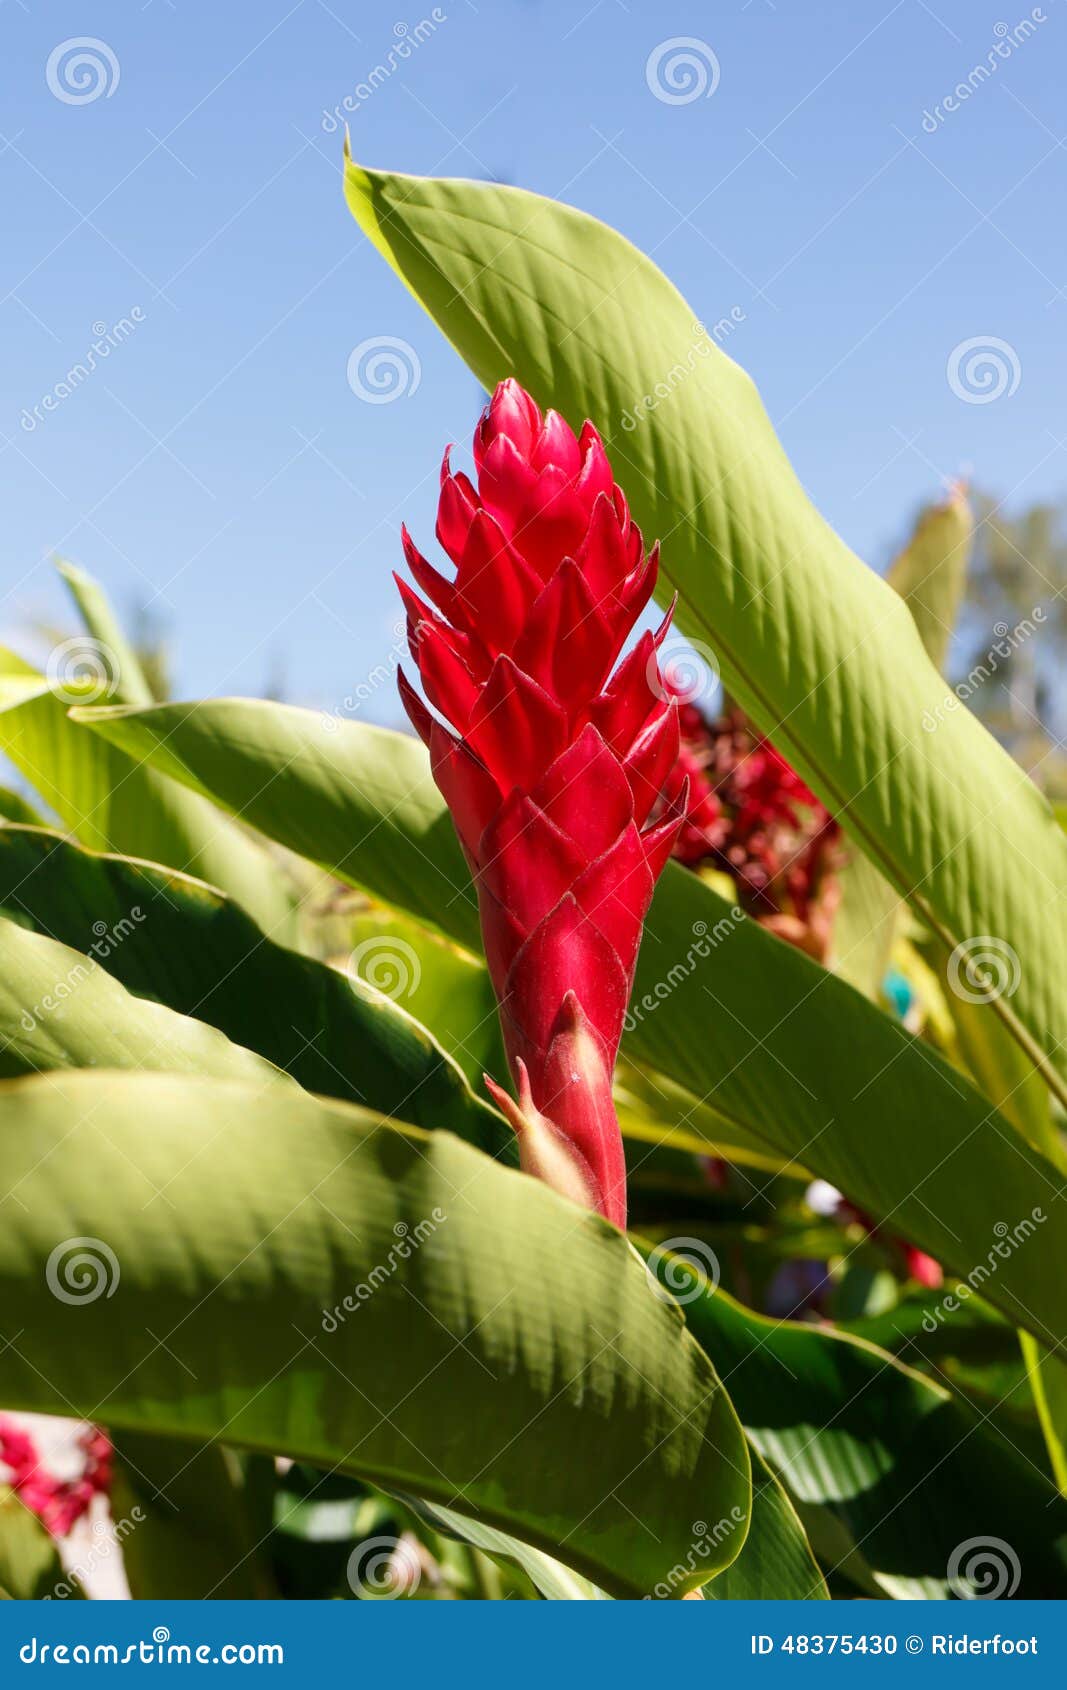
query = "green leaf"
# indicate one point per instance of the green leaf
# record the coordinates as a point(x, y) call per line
point(170, 938)
point(554, 1580)
point(897, 1465)
point(930, 575)
point(864, 926)
point(799, 1066)
point(1011, 1082)
point(776, 1563)
point(500, 1351)
point(127, 683)
point(821, 653)
point(654, 1110)
point(367, 808)
point(59, 1009)
point(1047, 1373)
point(444, 987)
point(911, 1330)
point(114, 804)
point(15, 808)
point(30, 1567)
point(185, 1534)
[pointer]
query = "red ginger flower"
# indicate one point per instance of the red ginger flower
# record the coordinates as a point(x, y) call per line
point(556, 761)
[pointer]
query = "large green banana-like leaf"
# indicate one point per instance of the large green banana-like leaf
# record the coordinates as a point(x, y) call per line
point(794, 1060)
point(822, 654)
point(1008, 1080)
point(356, 799)
point(776, 1563)
point(903, 1470)
point(113, 803)
point(59, 1009)
point(776, 1560)
point(173, 939)
point(391, 1302)
point(929, 574)
point(655, 1110)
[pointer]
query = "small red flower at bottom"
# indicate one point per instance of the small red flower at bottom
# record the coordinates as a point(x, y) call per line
point(555, 755)
point(58, 1503)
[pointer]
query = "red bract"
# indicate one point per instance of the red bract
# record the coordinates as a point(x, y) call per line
point(556, 759)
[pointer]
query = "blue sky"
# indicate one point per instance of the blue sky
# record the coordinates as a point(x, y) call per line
point(218, 465)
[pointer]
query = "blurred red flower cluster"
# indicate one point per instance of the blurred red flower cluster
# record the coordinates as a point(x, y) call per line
point(748, 813)
point(58, 1503)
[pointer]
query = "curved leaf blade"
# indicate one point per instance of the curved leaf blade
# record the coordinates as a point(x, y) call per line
point(368, 811)
point(171, 939)
point(821, 653)
point(60, 1010)
point(902, 1468)
point(501, 1352)
point(113, 803)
